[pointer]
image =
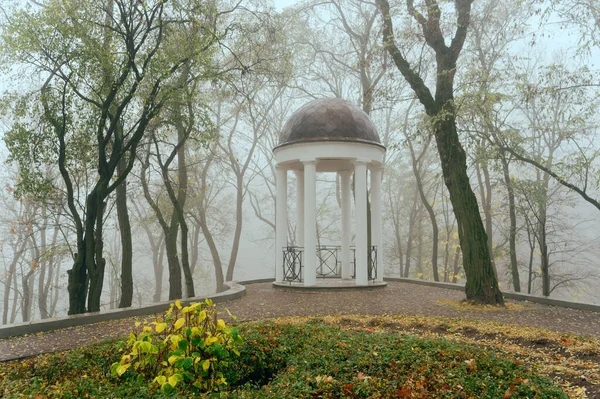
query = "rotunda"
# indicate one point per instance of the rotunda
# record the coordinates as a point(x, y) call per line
point(330, 135)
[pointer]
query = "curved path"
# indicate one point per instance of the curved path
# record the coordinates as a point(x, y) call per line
point(264, 301)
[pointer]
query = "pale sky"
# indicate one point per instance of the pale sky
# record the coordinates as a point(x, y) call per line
point(281, 4)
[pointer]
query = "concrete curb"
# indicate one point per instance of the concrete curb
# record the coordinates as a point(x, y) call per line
point(511, 295)
point(234, 291)
point(317, 287)
point(257, 281)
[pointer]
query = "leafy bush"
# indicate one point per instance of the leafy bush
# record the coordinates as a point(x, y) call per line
point(186, 350)
point(319, 360)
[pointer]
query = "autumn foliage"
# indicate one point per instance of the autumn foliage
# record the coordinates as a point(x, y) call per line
point(186, 350)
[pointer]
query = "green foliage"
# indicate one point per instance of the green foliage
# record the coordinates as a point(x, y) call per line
point(294, 359)
point(187, 350)
point(316, 359)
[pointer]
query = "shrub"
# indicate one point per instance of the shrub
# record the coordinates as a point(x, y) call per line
point(187, 349)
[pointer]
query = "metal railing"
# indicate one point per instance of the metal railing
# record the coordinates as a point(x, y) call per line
point(329, 262)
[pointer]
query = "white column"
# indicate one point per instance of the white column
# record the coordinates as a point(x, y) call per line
point(346, 213)
point(280, 220)
point(360, 192)
point(376, 237)
point(300, 208)
point(310, 222)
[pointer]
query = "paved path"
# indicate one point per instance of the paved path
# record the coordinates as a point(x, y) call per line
point(264, 301)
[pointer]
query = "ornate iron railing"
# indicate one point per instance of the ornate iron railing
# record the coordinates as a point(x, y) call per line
point(371, 263)
point(292, 263)
point(329, 262)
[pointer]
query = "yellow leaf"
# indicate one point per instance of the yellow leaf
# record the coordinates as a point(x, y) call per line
point(179, 323)
point(137, 323)
point(172, 381)
point(205, 364)
point(173, 359)
point(202, 316)
point(161, 379)
point(122, 369)
point(221, 323)
point(160, 327)
point(178, 304)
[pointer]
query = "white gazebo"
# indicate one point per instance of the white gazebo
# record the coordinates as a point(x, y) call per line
point(329, 135)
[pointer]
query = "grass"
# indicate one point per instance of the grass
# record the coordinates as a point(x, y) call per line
point(348, 357)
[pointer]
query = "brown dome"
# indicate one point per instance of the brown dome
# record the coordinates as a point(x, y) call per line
point(329, 119)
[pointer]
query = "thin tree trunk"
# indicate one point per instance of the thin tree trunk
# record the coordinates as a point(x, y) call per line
point(456, 267)
point(434, 226)
point(409, 241)
point(12, 277)
point(512, 232)
point(126, 241)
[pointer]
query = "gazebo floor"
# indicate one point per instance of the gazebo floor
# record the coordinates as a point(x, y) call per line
point(329, 284)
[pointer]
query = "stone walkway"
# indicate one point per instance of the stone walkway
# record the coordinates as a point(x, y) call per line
point(264, 301)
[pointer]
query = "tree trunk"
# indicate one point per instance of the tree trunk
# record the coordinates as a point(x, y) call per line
point(175, 289)
point(158, 255)
point(78, 281)
point(409, 241)
point(434, 226)
point(485, 189)
point(482, 285)
point(12, 277)
point(456, 269)
point(213, 251)
point(182, 136)
point(126, 241)
point(195, 243)
point(419, 260)
point(512, 232)
point(238, 228)
point(94, 248)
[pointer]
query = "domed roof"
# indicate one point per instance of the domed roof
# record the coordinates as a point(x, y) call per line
point(329, 119)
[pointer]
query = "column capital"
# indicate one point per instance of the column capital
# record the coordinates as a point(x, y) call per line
point(361, 161)
point(376, 167)
point(344, 172)
point(308, 161)
point(279, 167)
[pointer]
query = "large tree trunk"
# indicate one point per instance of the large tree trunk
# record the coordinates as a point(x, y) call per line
point(175, 289)
point(94, 247)
point(482, 285)
point(77, 281)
